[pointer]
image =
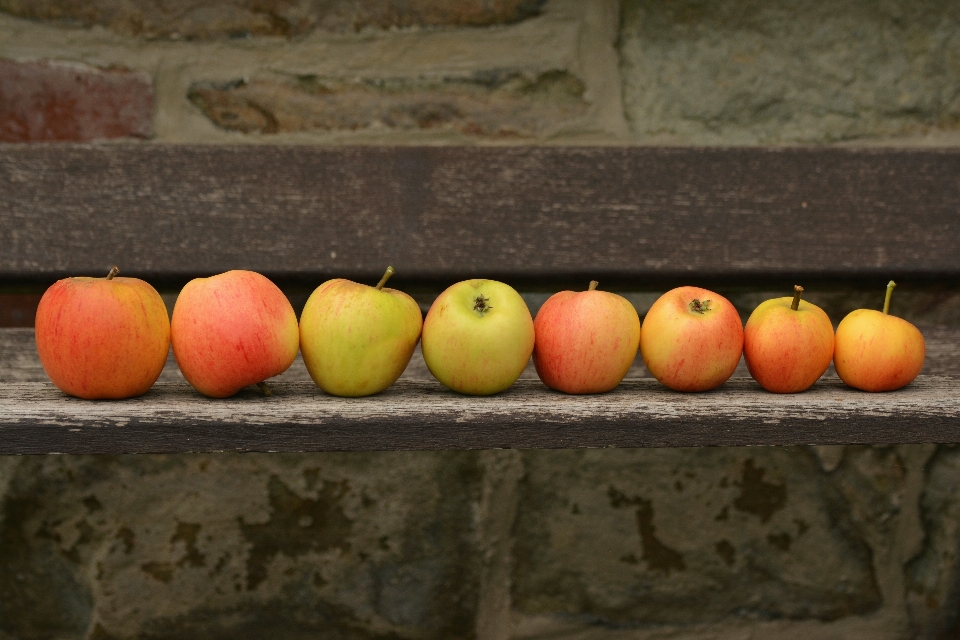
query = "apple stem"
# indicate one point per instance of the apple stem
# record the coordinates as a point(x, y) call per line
point(267, 391)
point(593, 285)
point(386, 276)
point(113, 272)
point(886, 301)
point(797, 291)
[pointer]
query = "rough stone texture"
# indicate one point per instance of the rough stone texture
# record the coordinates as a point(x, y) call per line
point(552, 77)
point(685, 537)
point(45, 101)
point(205, 19)
point(494, 104)
point(228, 546)
point(712, 71)
point(933, 575)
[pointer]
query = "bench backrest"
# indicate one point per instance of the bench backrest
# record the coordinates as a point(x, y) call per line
point(631, 217)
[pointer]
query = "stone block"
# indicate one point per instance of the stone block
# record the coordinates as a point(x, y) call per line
point(207, 19)
point(59, 101)
point(682, 537)
point(498, 105)
point(340, 546)
point(933, 575)
point(718, 72)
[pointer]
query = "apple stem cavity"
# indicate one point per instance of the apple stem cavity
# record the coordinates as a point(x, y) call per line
point(386, 276)
point(700, 306)
point(886, 300)
point(113, 272)
point(480, 304)
point(267, 391)
point(593, 285)
point(797, 292)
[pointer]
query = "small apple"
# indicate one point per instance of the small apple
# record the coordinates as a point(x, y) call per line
point(233, 330)
point(102, 338)
point(876, 351)
point(586, 341)
point(788, 344)
point(478, 337)
point(356, 340)
point(691, 339)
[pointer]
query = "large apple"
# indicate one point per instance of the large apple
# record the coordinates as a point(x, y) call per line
point(691, 339)
point(356, 340)
point(102, 338)
point(875, 351)
point(233, 330)
point(788, 343)
point(585, 341)
point(478, 337)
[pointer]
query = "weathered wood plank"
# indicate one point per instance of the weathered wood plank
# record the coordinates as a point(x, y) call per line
point(36, 418)
point(631, 215)
point(418, 413)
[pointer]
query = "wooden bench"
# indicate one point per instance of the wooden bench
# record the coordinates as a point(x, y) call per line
point(540, 219)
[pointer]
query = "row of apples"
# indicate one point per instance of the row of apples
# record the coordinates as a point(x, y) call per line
point(108, 338)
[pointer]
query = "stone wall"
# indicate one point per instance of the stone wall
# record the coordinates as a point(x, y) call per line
point(828, 542)
point(483, 71)
point(780, 543)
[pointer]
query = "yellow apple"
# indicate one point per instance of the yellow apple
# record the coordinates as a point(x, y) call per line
point(356, 340)
point(875, 351)
point(478, 337)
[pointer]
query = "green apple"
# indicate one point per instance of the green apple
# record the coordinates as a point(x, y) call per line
point(478, 337)
point(356, 340)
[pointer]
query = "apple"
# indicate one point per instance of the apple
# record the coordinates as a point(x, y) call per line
point(102, 338)
point(788, 344)
point(478, 337)
point(233, 330)
point(356, 339)
point(585, 341)
point(691, 339)
point(875, 351)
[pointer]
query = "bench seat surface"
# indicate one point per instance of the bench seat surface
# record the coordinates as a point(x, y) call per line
point(419, 413)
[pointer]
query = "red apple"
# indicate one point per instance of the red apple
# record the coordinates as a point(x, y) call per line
point(102, 338)
point(788, 344)
point(875, 351)
point(585, 342)
point(233, 330)
point(691, 339)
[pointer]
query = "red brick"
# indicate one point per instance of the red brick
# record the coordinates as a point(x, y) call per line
point(45, 101)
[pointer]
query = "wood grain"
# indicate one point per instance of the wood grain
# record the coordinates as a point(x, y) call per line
point(419, 413)
point(36, 418)
point(622, 215)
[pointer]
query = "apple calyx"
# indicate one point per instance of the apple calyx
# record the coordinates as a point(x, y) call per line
point(267, 391)
point(797, 291)
point(886, 300)
point(113, 272)
point(593, 285)
point(386, 276)
point(480, 304)
point(699, 306)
